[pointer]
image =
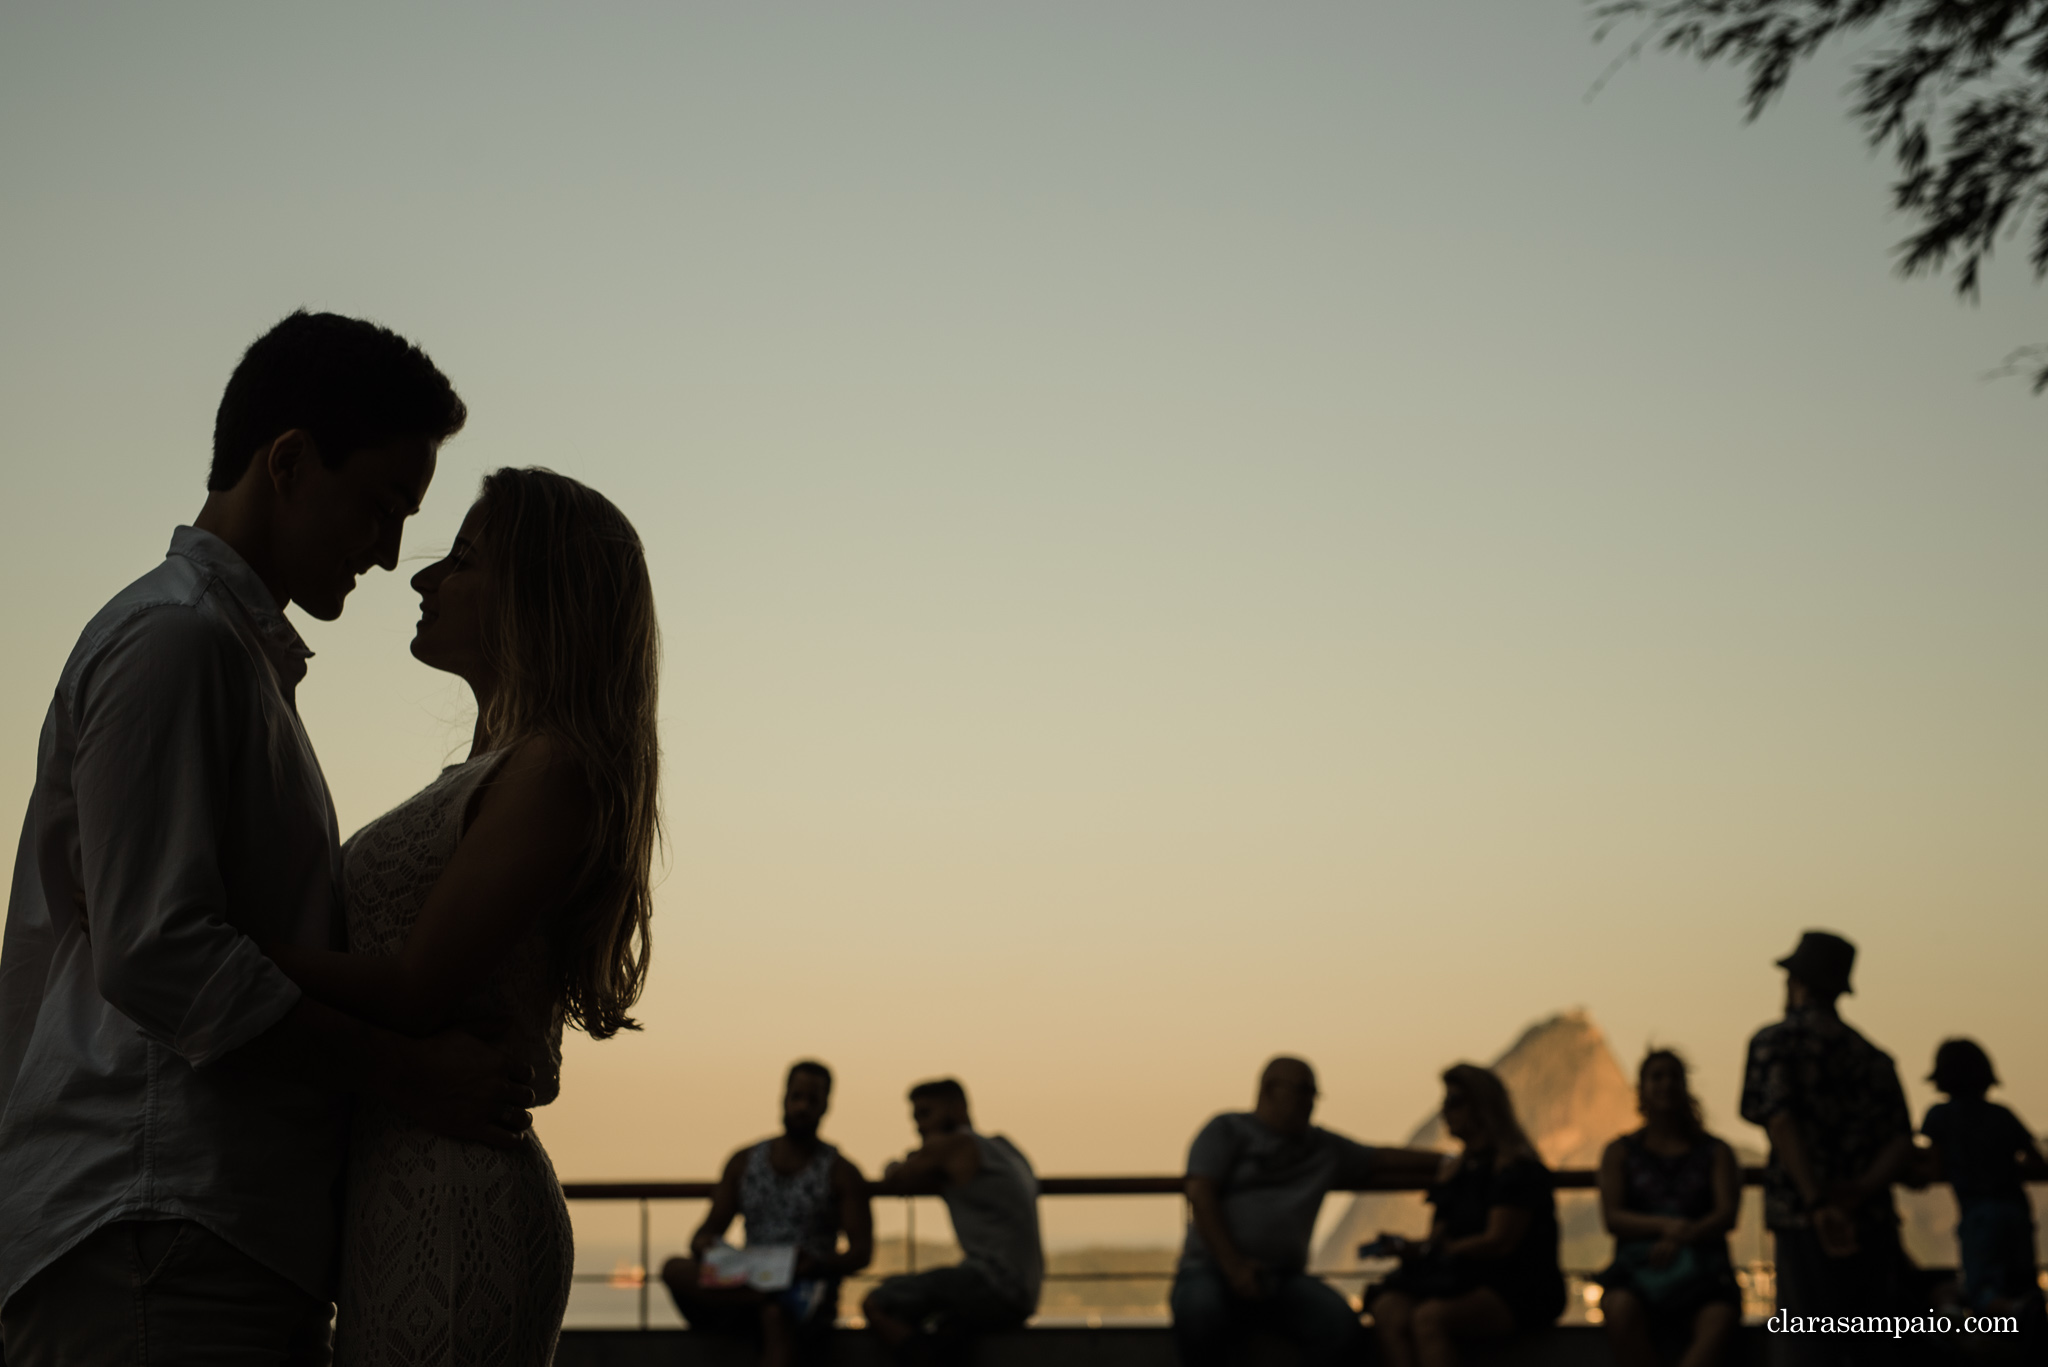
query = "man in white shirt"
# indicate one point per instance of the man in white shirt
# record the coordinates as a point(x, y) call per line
point(172, 1108)
point(991, 1196)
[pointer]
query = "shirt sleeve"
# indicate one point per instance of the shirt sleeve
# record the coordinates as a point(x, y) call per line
point(25, 954)
point(1214, 1150)
point(1894, 1115)
point(1766, 1084)
point(2016, 1136)
point(1356, 1163)
point(160, 720)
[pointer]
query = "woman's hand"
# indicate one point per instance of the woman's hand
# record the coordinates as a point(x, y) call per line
point(1664, 1250)
point(1385, 1245)
point(455, 1084)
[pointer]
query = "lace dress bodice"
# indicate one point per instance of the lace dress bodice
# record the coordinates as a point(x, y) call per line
point(391, 865)
point(454, 1254)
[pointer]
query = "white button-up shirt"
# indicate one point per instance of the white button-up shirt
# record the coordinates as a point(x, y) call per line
point(178, 811)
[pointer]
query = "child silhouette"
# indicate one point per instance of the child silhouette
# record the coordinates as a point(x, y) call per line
point(1986, 1154)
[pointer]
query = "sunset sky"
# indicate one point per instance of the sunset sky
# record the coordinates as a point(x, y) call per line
point(1182, 531)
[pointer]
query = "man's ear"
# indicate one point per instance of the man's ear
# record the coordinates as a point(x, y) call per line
point(287, 458)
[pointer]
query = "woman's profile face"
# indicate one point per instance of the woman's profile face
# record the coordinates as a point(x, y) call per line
point(456, 594)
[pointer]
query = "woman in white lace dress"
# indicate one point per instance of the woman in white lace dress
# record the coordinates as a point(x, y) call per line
point(510, 895)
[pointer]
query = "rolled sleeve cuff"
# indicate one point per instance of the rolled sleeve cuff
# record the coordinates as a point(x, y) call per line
point(245, 996)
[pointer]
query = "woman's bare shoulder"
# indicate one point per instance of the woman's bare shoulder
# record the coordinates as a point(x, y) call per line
point(541, 779)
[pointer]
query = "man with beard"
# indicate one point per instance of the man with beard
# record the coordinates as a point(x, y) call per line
point(1840, 1136)
point(793, 1191)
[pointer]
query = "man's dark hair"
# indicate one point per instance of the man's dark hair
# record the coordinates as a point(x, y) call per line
point(347, 383)
point(939, 1089)
point(1962, 1068)
point(811, 1066)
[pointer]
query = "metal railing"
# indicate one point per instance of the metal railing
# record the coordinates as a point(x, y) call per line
point(1565, 1179)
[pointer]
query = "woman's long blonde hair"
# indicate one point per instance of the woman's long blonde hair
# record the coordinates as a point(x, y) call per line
point(1488, 1096)
point(577, 654)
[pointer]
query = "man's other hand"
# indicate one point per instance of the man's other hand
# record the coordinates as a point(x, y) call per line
point(455, 1084)
point(1835, 1231)
point(1247, 1279)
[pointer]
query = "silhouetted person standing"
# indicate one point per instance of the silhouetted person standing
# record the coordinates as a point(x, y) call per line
point(992, 1196)
point(1255, 1182)
point(1840, 1134)
point(1986, 1154)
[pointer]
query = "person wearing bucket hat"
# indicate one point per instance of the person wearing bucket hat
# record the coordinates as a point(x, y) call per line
point(1822, 961)
point(1840, 1134)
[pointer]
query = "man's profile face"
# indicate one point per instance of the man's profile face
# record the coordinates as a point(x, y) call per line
point(1796, 994)
point(332, 525)
point(803, 1104)
point(1287, 1096)
point(936, 1116)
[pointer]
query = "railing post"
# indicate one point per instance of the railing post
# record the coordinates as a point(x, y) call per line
point(910, 1234)
point(645, 1271)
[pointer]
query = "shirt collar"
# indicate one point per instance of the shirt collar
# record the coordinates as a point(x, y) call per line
point(1814, 1018)
point(287, 650)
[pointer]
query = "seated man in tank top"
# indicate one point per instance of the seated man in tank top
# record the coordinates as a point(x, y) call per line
point(991, 1194)
point(793, 1191)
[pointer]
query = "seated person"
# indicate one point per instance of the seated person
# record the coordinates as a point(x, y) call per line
point(1987, 1155)
point(992, 1196)
point(1489, 1266)
point(1668, 1193)
point(1255, 1182)
point(793, 1190)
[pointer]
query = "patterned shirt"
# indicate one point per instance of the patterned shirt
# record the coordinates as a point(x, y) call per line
point(1842, 1091)
point(791, 1208)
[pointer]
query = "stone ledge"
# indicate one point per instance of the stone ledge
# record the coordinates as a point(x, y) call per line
point(1576, 1346)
